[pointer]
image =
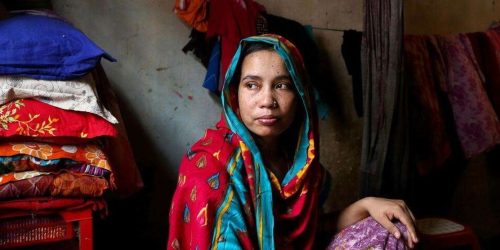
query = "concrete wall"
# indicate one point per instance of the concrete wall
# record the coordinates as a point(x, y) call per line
point(449, 16)
point(166, 109)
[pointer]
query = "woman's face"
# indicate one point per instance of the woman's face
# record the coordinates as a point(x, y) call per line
point(266, 94)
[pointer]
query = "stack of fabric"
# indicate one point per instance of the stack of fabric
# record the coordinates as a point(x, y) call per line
point(55, 134)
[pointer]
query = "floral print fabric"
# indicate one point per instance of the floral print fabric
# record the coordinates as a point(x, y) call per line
point(477, 125)
point(76, 94)
point(83, 153)
point(77, 169)
point(19, 163)
point(368, 234)
point(17, 160)
point(62, 184)
point(31, 118)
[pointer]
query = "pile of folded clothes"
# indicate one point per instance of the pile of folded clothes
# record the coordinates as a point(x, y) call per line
point(57, 138)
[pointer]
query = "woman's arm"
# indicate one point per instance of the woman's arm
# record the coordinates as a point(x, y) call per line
point(384, 211)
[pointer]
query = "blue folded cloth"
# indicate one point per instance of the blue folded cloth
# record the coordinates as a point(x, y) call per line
point(211, 81)
point(43, 47)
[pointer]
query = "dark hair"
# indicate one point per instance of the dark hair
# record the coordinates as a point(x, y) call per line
point(254, 47)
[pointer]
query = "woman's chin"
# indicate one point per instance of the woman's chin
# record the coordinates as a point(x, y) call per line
point(268, 133)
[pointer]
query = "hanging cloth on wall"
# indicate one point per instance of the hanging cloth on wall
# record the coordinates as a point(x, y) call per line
point(200, 46)
point(351, 52)
point(231, 20)
point(477, 125)
point(212, 77)
point(425, 78)
point(454, 85)
point(385, 138)
point(193, 12)
point(494, 67)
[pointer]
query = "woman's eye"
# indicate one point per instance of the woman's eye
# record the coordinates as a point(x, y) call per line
point(282, 85)
point(250, 85)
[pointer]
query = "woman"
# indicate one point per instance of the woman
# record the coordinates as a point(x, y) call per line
point(253, 181)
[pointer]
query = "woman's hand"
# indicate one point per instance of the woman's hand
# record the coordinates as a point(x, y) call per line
point(384, 211)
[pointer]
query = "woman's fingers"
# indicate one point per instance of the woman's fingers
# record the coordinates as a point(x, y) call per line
point(389, 226)
point(414, 221)
point(405, 218)
point(411, 214)
point(399, 211)
point(411, 223)
point(385, 211)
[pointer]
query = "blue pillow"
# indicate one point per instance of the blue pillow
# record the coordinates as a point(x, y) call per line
point(44, 47)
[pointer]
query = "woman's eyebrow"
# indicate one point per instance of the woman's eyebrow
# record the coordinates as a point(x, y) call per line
point(283, 77)
point(256, 77)
point(251, 77)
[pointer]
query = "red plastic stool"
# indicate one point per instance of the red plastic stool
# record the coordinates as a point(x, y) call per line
point(85, 226)
point(440, 233)
point(22, 230)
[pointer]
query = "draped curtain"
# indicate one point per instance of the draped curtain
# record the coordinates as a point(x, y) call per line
point(384, 162)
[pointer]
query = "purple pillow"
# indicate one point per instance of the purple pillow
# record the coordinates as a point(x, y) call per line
point(43, 47)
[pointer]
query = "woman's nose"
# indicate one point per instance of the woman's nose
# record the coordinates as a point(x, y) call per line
point(267, 99)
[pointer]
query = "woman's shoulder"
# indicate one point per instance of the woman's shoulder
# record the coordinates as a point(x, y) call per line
point(220, 142)
point(205, 162)
point(212, 150)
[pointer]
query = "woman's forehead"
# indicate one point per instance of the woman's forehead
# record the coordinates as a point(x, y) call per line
point(264, 60)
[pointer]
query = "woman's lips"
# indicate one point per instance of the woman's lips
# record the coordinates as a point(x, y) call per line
point(267, 120)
